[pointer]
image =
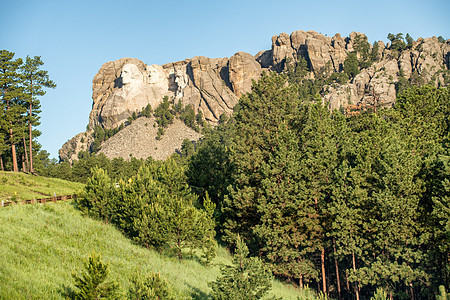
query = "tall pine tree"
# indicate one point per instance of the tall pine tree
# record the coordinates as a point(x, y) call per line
point(34, 82)
point(12, 101)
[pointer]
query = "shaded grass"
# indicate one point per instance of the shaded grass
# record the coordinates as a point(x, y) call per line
point(25, 186)
point(42, 244)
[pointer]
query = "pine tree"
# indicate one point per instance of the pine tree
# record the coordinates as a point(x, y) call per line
point(92, 283)
point(12, 101)
point(209, 168)
point(98, 197)
point(156, 208)
point(318, 140)
point(286, 232)
point(382, 179)
point(256, 126)
point(165, 215)
point(351, 65)
point(245, 279)
point(34, 80)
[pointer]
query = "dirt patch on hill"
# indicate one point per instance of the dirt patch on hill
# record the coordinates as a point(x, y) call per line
point(139, 140)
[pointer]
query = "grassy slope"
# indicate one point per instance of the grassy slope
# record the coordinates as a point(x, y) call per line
point(34, 187)
point(42, 244)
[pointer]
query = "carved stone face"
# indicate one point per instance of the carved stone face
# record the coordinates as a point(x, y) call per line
point(130, 73)
point(156, 74)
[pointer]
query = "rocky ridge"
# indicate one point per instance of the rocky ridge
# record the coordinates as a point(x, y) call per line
point(213, 86)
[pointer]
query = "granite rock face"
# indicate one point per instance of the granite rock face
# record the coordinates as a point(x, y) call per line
point(123, 87)
point(425, 62)
point(213, 86)
point(81, 142)
point(243, 69)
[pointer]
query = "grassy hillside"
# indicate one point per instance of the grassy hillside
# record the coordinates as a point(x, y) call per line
point(24, 186)
point(43, 243)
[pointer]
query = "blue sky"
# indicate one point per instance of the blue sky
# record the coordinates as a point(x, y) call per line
point(74, 38)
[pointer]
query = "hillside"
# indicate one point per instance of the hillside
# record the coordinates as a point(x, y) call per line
point(43, 244)
point(23, 186)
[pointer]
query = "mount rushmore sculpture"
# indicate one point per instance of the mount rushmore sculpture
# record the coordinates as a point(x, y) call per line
point(213, 86)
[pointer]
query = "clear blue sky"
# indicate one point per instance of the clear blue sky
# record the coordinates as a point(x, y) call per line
point(74, 38)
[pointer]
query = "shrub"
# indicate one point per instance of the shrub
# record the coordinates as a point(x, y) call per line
point(149, 288)
point(93, 283)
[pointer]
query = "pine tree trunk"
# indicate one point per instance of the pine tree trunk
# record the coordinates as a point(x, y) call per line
point(1, 163)
point(300, 281)
point(346, 280)
point(24, 166)
point(411, 290)
point(26, 155)
point(13, 147)
point(354, 269)
point(322, 261)
point(14, 158)
point(337, 270)
point(13, 152)
point(31, 136)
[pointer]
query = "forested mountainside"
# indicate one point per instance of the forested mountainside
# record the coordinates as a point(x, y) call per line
point(352, 202)
point(340, 71)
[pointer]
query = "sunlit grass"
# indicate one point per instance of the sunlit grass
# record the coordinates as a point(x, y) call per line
point(42, 244)
point(26, 187)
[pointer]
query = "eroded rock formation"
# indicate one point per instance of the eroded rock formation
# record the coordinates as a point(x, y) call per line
point(214, 86)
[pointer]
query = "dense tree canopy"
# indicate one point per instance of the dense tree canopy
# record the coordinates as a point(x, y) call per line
point(349, 204)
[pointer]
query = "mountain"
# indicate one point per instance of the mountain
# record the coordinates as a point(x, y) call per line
point(212, 86)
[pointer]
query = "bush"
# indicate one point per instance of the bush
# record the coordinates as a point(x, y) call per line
point(151, 287)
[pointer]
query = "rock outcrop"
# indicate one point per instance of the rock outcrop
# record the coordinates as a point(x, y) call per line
point(242, 70)
point(213, 86)
point(425, 62)
point(81, 142)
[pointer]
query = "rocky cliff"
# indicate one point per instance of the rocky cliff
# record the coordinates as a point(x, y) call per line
point(213, 86)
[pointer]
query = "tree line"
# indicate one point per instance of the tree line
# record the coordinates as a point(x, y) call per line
point(21, 83)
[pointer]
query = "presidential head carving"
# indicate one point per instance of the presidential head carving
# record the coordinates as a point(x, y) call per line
point(156, 75)
point(130, 74)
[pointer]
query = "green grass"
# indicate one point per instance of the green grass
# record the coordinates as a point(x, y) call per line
point(42, 244)
point(25, 187)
